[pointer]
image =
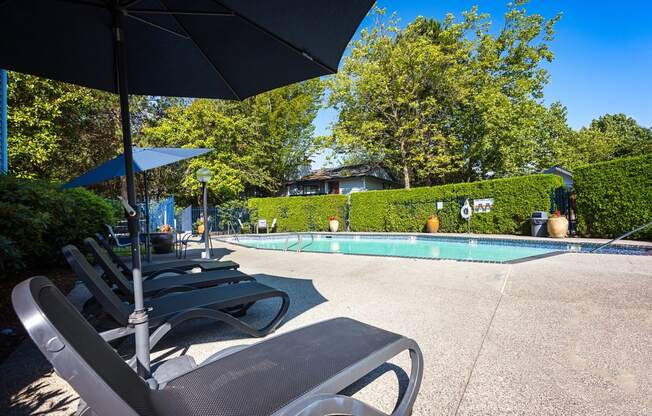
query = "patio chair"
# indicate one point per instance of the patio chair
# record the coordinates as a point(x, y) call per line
point(166, 312)
point(297, 373)
point(155, 269)
point(113, 236)
point(262, 224)
point(162, 284)
point(195, 238)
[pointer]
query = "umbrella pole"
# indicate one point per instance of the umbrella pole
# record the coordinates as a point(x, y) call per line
point(148, 238)
point(139, 316)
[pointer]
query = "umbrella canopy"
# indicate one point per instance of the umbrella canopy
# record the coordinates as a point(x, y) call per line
point(216, 49)
point(144, 159)
point(219, 49)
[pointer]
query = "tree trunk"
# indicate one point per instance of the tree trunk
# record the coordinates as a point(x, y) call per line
point(406, 170)
point(123, 187)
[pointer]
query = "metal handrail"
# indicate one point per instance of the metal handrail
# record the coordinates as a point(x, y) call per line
point(285, 248)
point(642, 227)
point(299, 241)
point(312, 240)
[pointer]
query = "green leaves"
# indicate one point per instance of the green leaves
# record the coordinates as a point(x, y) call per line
point(259, 143)
point(37, 218)
point(57, 130)
point(299, 213)
point(446, 101)
point(405, 210)
point(614, 197)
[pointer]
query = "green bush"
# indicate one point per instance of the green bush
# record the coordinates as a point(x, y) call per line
point(406, 210)
point(614, 197)
point(37, 218)
point(299, 213)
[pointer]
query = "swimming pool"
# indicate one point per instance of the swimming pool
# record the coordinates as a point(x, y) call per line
point(419, 246)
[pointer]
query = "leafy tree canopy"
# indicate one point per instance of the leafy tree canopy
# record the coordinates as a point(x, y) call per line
point(448, 101)
point(259, 142)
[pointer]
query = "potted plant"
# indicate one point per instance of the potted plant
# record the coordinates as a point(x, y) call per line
point(557, 225)
point(333, 223)
point(163, 241)
point(432, 225)
point(199, 226)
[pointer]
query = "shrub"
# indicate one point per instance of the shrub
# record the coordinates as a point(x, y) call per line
point(406, 210)
point(37, 218)
point(614, 197)
point(299, 213)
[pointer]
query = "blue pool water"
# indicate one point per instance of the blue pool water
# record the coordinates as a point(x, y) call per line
point(402, 246)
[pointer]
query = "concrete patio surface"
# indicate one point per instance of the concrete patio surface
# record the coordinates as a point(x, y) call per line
point(569, 334)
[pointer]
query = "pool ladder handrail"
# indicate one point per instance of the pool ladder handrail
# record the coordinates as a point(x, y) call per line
point(299, 241)
point(627, 234)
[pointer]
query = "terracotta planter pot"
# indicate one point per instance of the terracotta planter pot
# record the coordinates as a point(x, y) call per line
point(333, 225)
point(557, 227)
point(162, 242)
point(432, 225)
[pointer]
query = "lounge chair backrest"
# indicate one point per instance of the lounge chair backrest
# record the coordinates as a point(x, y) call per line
point(110, 268)
point(76, 351)
point(110, 302)
point(273, 224)
point(262, 223)
point(116, 259)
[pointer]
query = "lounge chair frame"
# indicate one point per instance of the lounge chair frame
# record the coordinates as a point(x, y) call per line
point(108, 386)
point(216, 310)
point(161, 285)
point(177, 266)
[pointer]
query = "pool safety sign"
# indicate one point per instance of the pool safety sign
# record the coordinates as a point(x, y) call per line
point(483, 205)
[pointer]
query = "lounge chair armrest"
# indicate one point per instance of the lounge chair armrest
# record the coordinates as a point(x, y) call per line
point(158, 273)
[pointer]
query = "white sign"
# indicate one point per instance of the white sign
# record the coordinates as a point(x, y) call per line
point(465, 212)
point(483, 205)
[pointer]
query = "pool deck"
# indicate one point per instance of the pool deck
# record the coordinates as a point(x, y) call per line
point(568, 334)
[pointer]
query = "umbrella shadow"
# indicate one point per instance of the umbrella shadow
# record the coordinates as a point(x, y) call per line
point(303, 297)
point(26, 390)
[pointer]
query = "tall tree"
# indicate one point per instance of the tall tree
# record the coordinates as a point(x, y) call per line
point(607, 137)
point(56, 131)
point(258, 142)
point(447, 101)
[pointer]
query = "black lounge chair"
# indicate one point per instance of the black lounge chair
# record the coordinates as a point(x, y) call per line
point(162, 284)
point(297, 373)
point(152, 270)
point(166, 312)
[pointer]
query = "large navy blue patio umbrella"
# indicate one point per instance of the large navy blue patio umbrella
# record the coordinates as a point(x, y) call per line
point(144, 160)
point(228, 49)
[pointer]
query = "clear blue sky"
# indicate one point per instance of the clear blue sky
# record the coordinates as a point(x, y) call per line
point(603, 54)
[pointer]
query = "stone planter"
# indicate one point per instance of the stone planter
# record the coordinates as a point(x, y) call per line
point(557, 227)
point(162, 242)
point(432, 225)
point(333, 225)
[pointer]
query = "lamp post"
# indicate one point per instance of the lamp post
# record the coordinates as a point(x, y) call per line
point(203, 176)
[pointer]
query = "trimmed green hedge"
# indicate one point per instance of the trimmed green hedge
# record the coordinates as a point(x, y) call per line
point(37, 218)
point(614, 197)
point(406, 210)
point(299, 213)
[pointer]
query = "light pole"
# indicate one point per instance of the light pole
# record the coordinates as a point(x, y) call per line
point(203, 176)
